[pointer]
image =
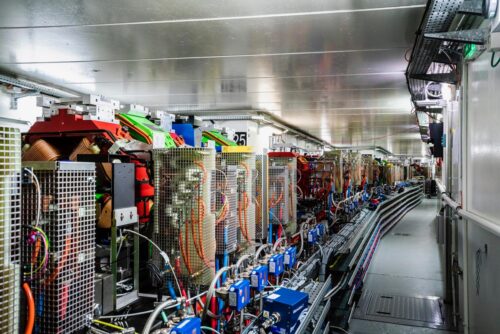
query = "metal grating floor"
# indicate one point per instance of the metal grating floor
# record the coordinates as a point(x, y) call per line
point(403, 310)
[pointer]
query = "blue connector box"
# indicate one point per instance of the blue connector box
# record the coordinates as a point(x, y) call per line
point(321, 229)
point(276, 264)
point(188, 326)
point(289, 304)
point(290, 257)
point(312, 236)
point(239, 295)
point(258, 278)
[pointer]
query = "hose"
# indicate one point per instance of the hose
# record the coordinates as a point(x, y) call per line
point(31, 309)
point(278, 242)
point(336, 288)
point(240, 261)
point(166, 304)
point(211, 290)
point(260, 249)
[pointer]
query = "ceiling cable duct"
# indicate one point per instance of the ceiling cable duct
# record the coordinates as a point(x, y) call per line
point(36, 87)
point(365, 148)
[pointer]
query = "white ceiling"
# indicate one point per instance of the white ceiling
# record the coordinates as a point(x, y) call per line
point(333, 67)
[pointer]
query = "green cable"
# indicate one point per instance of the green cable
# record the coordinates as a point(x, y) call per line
point(493, 62)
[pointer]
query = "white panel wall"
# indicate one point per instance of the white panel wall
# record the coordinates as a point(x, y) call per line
point(483, 123)
point(25, 114)
point(480, 248)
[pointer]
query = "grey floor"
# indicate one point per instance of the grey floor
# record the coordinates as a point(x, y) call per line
point(407, 263)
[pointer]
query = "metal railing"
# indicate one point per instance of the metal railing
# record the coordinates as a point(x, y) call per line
point(457, 208)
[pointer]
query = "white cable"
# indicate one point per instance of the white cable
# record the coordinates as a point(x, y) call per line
point(336, 288)
point(197, 296)
point(162, 254)
point(133, 314)
point(240, 261)
point(163, 306)
point(278, 242)
point(39, 196)
point(211, 289)
point(260, 249)
point(210, 329)
point(251, 315)
point(340, 329)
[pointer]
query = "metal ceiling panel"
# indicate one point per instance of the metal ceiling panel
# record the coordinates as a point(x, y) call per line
point(340, 63)
point(268, 35)
point(335, 68)
point(28, 13)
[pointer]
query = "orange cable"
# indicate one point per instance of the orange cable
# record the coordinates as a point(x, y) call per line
point(61, 263)
point(31, 309)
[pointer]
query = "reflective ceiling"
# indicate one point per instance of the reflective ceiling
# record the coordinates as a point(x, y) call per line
point(333, 67)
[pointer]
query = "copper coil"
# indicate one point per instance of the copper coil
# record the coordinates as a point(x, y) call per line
point(105, 218)
point(41, 151)
point(84, 147)
point(46, 202)
point(104, 171)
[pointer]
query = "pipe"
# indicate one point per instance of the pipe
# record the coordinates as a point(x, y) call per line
point(149, 323)
point(240, 261)
point(484, 223)
point(278, 242)
point(260, 249)
point(30, 323)
point(211, 290)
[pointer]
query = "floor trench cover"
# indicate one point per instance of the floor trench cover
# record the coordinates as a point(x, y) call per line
point(403, 310)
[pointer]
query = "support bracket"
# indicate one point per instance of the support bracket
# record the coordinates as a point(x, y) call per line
point(450, 78)
point(472, 7)
point(473, 36)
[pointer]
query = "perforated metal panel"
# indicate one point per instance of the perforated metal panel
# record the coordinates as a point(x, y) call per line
point(225, 205)
point(184, 224)
point(243, 164)
point(64, 292)
point(283, 192)
point(261, 199)
point(322, 178)
point(10, 206)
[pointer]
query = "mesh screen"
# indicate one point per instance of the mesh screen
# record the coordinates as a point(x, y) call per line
point(64, 292)
point(261, 202)
point(10, 198)
point(244, 166)
point(225, 205)
point(283, 192)
point(184, 224)
point(322, 178)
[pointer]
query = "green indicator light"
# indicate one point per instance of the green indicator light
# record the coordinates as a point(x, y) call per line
point(470, 51)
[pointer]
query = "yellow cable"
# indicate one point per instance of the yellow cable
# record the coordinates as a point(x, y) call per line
point(110, 325)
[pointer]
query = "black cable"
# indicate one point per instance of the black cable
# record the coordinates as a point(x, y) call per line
point(493, 62)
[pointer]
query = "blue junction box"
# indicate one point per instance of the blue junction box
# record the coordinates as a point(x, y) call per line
point(258, 278)
point(321, 229)
point(188, 326)
point(239, 295)
point(290, 257)
point(276, 264)
point(289, 304)
point(312, 236)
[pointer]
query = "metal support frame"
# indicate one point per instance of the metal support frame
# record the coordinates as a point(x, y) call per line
point(472, 7)
point(436, 77)
point(472, 36)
